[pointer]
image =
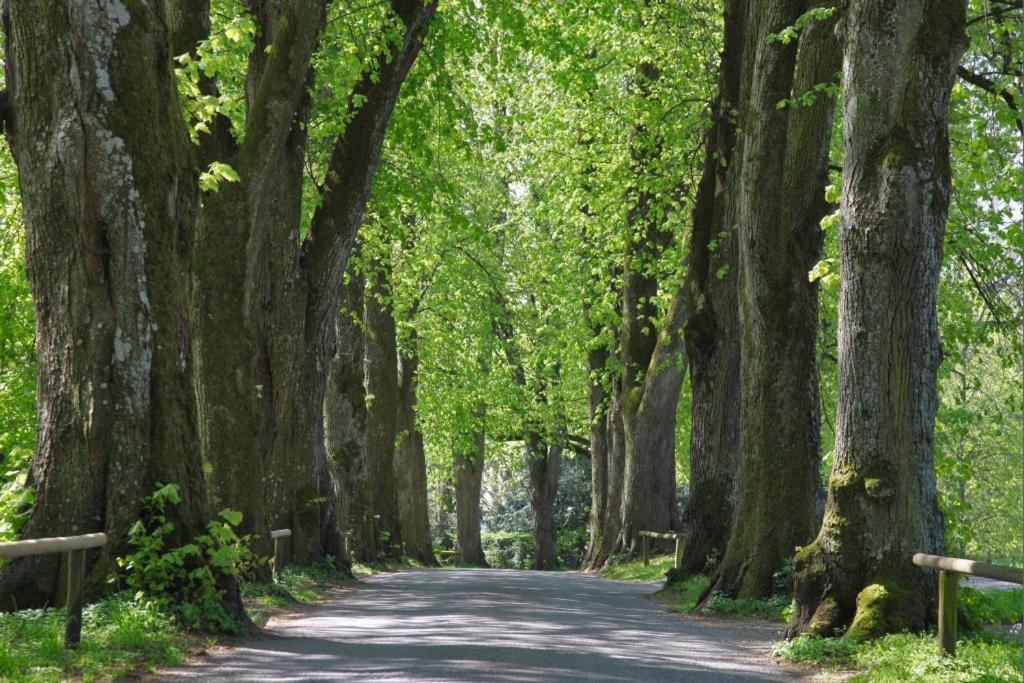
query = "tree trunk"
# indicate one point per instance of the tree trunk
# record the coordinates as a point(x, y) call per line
point(783, 169)
point(900, 62)
point(597, 361)
point(651, 436)
point(109, 207)
point(411, 465)
point(545, 462)
point(291, 286)
point(345, 414)
point(711, 329)
point(647, 240)
point(616, 439)
point(469, 474)
point(381, 421)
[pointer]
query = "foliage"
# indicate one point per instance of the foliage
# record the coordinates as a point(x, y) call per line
point(17, 359)
point(980, 608)
point(119, 636)
point(909, 657)
point(514, 549)
point(184, 580)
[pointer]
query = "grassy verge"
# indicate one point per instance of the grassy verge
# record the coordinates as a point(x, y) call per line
point(634, 570)
point(119, 636)
point(122, 636)
point(682, 596)
point(909, 657)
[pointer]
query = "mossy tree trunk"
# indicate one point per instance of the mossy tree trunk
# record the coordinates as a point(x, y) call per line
point(779, 202)
point(411, 463)
point(262, 401)
point(345, 419)
point(108, 184)
point(649, 448)
point(711, 329)
point(899, 67)
point(469, 473)
point(382, 417)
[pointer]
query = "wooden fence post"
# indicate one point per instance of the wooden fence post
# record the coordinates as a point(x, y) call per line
point(278, 556)
point(73, 605)
point(643, 545)
point(947, 611)
point(679, 550)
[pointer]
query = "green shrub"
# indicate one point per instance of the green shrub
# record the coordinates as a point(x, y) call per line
point(980, 608)
point(183, 580)
point(508, 549)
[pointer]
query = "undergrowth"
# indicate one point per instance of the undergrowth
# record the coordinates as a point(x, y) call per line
point(119, 635)
point(910, 657)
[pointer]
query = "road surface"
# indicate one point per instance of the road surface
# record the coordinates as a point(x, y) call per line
point(494, 625)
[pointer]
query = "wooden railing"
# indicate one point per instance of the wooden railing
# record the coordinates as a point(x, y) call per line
point(949, 570)
point(677, 537)
point(75, 547)
point(278, 536)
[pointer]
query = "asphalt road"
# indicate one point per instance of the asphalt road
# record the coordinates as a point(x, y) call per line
point(494, 625)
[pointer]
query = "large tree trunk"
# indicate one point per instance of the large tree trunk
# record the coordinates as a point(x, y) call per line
point(545, 462)
point(469, 474)
point(411, 465)
point(711, 329)
point(647, 240)
point(109, 206)
point(290, 287)
point(597, 361)
point(345, 415)
point(616, 439)
point(900, 62)
point(381, 421)
point(783, 169)
point(651, 435)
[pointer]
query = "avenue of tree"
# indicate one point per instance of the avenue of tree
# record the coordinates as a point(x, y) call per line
point(325, 262)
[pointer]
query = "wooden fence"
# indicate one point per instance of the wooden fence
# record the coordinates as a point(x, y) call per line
point(949, 570)
point(676, 536)
point(75, 547)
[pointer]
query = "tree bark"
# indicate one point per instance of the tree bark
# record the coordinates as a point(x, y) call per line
point(545, 464)
point(290, 287)
point(711, 328)
point(651, 436)
point(345, 418)
point(469, 473)
point(616, 439)
point(647, 240)
point(411, 464)
point(597, 361)
point(382, 420)
point(107, 180)
point(899, 68)
point(783, 169)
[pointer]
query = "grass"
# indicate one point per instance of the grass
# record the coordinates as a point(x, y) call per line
point(775, 608)
point(682, 596)
point(295, 585)
point(634, 570)
point(119, 636)
point(910, 657)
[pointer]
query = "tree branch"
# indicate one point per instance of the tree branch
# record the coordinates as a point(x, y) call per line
point(356, 154)
point(989, 86)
